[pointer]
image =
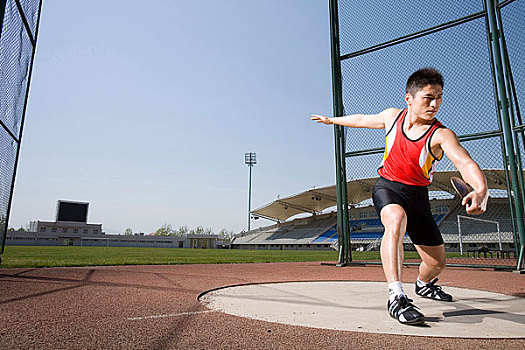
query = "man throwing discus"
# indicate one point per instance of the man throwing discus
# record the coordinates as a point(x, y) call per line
point(415, 142)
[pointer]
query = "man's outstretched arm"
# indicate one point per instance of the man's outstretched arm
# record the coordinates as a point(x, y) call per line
point(371, 121)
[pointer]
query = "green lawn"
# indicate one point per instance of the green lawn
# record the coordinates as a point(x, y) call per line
point(29, 256)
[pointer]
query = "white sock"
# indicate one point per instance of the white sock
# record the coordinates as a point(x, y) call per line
point(420, 283)
point(394, 289)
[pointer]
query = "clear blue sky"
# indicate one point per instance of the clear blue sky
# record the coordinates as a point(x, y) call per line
point(145, 110)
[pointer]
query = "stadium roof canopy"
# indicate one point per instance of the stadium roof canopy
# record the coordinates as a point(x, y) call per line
point(316, 200)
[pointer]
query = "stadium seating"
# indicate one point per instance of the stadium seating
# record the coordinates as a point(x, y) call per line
point(320, 231)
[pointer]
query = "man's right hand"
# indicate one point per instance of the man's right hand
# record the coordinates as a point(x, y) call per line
point(321, 119)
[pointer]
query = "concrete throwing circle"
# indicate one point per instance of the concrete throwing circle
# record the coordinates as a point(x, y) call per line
point(361, 307)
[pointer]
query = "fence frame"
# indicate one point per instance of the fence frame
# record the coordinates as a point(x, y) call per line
point(343, 230)
point(505, 103)
point(18, 140)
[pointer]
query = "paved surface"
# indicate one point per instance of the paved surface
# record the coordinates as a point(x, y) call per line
point(156, 307)
point(360, 307)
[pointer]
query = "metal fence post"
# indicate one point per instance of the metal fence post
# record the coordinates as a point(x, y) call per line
point(2, 11)
point(3, 220)
point(505, 159)
point(515, 111)
point(507, 130)
point(344, 193)
point(342, 200)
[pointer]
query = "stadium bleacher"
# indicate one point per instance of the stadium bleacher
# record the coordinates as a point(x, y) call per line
point(320, 231)
point(327, 235)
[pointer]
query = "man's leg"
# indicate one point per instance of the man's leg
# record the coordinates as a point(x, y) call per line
point(433, 262)
point(394, 219)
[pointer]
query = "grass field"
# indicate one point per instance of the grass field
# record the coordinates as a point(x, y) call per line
point(30, 256)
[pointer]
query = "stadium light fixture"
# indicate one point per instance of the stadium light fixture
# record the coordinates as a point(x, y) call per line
point(250, 160)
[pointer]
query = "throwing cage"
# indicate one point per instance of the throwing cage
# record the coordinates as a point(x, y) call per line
point(19, 21)
point(478, 46)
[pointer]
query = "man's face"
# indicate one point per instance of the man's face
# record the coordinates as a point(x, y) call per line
point(425, 104)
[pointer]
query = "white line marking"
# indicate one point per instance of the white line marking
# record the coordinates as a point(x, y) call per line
point(169, 315)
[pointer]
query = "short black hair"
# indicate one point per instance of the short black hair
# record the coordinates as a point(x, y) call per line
point(423, 77)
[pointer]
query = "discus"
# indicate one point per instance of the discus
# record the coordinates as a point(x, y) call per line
point(461, 187)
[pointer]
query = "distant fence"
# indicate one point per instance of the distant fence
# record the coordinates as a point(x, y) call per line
point(19, 21)
point(477, 45)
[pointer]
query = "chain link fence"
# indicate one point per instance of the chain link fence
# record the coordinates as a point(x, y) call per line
point(19, 23)
point(381, 43)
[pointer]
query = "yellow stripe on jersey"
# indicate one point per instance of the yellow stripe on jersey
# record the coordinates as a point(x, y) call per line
point(427, 167)
point(389, 142)
point(386, 151)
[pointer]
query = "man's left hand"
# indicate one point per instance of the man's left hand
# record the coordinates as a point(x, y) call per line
point(476, 203)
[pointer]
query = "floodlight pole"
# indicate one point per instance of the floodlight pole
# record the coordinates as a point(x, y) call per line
point(250, 160)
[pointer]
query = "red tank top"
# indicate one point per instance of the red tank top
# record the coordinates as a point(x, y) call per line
point(409, 161)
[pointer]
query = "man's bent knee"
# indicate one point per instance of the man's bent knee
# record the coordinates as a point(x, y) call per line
point(434, 257)
point(436, 265)
point(393, 215)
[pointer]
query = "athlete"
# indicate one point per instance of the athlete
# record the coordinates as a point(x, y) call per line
point(415, 142)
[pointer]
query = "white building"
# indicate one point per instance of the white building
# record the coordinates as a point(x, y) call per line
point(71, 238)
point(65, 227)
point(71, 229)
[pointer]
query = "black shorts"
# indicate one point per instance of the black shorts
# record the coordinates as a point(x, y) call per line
point(421, 226)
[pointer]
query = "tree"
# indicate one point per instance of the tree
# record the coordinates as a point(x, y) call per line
point(165, 230)
point(22, 228)
point(199, 230)
point(226, 236)
point(128, 232)
point(183, 231)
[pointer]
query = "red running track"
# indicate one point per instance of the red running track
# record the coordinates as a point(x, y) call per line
point(156, 307)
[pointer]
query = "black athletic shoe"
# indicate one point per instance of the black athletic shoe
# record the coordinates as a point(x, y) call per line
point(404, 311)
point(433, 291)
